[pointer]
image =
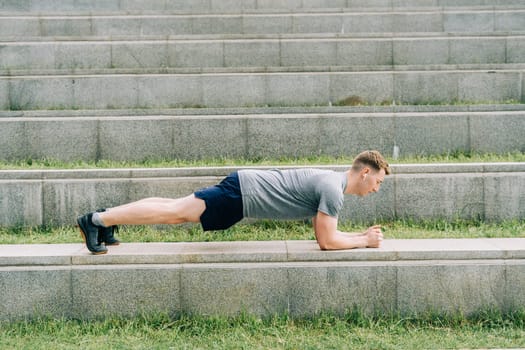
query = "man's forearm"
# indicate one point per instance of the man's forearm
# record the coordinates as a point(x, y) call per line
point(329, 238)
point(351, 234)
point(341, 240)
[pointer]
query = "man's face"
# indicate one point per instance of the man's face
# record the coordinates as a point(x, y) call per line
point(371, 180)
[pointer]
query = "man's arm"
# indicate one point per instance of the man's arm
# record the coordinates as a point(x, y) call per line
point(329, 238)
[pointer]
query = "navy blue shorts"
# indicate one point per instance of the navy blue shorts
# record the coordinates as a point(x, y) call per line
point(223, 204)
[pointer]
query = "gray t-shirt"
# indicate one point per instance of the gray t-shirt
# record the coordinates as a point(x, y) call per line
point(291, 194)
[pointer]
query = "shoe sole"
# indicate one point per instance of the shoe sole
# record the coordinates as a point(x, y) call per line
point(85, 241)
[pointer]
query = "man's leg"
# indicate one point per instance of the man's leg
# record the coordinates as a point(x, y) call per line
point(143, 212)
point(151, 211)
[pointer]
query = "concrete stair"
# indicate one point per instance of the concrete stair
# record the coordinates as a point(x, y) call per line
point(404, 277)
point(491, 19)
point(263, 132)
point(264, 53)
point(65, 64)
point(87, 7)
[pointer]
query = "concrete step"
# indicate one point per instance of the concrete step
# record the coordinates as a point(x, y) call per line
point(18, 58)
point(262, 278)
point(255, 136)
point(218, 6)
point(320, 110)
point(438, 20)
point(101, 72)
point(258, 89)
point(489, 191)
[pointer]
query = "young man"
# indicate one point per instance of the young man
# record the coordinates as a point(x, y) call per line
point(264, 194)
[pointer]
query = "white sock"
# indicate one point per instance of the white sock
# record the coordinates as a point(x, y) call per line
point(97, 220)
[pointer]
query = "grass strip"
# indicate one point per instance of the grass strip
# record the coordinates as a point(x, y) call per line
point(353, 330)
point(454, 157)
point(271, 230)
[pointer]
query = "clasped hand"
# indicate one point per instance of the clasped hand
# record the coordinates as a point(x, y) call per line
point(374, 236)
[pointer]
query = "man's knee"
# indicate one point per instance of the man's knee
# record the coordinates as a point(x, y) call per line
point(188, 209)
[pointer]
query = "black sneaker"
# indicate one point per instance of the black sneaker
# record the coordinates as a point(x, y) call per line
point(90, 234)
point(107, 234)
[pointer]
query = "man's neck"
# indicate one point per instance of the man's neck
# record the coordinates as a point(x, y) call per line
point(351, 179)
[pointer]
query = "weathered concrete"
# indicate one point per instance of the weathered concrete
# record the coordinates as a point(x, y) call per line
point(308, 52)
point(267, 110)
point(217, 6)
point(122, 55)
point(467, 191)
point(261, 278)
point(428, 20)
point(259, 89)
point(142, 137)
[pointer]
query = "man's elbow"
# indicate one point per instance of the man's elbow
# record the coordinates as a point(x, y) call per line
point(323, 245)
point(326, 244)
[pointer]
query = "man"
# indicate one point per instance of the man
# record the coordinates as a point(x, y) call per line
point(274, 194)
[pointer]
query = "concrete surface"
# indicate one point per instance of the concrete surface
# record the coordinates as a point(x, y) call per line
point(218, 6)
point(492, 19)
point(262, 278)
point(142, 137)
point(258, 89)
point(124, 55)
point(306, 52)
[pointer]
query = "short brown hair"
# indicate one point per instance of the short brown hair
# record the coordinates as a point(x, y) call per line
point(372, 159)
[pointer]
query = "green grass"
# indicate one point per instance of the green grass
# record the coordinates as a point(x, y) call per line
point(270, 230)
point(352, 330)
point(453, 157)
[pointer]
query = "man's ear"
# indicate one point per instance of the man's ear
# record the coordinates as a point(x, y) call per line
point(365, 171)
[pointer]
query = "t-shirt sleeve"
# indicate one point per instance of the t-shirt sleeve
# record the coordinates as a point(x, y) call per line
point(331, 199)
